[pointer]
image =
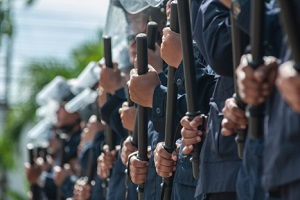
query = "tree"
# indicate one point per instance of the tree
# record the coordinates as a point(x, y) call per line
point(41, 73)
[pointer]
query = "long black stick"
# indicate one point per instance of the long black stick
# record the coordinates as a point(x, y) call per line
point(130, 104)
point(189, 74)
point(134, 143)
point(170, 127)
point(237, 52)
point(256, 113)
point(63, 137)
point(142, 65)
point(91, 166)
point(34, 188)
point(151, 35)
point(291, 28)
point(109, 135)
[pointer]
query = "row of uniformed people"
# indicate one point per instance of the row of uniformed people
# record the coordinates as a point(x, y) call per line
point(219, 162)
point(222, 174)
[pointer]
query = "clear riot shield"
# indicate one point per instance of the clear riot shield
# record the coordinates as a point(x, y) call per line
point(117, 27)
point(136, 6)
point(39, 135)
point(56, 90)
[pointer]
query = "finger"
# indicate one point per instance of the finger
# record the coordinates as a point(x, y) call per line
point(138, 163)
point(186, 123)
point(192, 141)
point(174, 156)
point(166, 31)
point(263, 72)
point(188, 134)
point(197, 121)
point(227, 132)
point(164, 162)
point(229, 124)
point(138, 171)
point(164, 175)
point(133, 73)
point(129, 146)
point(161, 152)
point(232, 116)
point(125, 104)
point(138, 179)
point(105, 148)
point(165, 169)
point(187, 150)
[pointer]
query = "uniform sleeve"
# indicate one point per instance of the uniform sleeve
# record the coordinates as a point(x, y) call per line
point(213, 36)
point(110, 114)
point(272, 27)
point(67, 188)
point(205, 84)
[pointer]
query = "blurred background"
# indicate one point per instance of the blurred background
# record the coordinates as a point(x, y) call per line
point(39, 39)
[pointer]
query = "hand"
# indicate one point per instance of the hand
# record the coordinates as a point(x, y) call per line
point(168, 9)
point(93, 127)
point(77, 193)
point(45, 165)
point(288, 83)
point(154, 59)
point(32, 173)
point(190, 133)
point(127, 115)
point(101, 100)
point(102, 170)
point(234, 118)
point(60, 174)
point(141, 87)
point(127, 149)
point(82, 190)
point(86, 191)
point(171, 48)
point(138, 170)
point(255, 86)
point(111, 79)
point(106, 162)
point(226, 3)
point(165, 163)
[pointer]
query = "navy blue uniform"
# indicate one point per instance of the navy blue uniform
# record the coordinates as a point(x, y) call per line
point(219, 161)
point(70, 152)
point(112, 117)
point(90, 152)
point(282, 141)
point(249, 182)
point(152, 185)
point(184, 183)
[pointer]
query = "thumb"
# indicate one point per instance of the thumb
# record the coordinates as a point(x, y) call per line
point(151, 69)
point(67, 167)
point(115, 66)
point(174, 156)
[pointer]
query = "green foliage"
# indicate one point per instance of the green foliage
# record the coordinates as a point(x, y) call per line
point(41, 73)
point(88, 51)
point(13, 195)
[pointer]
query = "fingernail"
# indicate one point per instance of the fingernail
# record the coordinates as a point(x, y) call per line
point(198, 139)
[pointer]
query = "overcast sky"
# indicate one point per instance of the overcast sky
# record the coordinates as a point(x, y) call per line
point(51, 28)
